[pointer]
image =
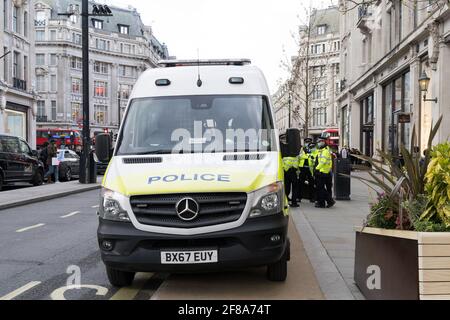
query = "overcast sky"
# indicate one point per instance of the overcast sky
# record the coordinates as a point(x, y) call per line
point(255, 29)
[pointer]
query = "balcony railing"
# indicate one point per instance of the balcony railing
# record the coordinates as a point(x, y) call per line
point(20, 84)
point(41, 119)
point(40, 23)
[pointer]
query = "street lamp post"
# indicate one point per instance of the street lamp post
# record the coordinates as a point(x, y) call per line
point(86, 174)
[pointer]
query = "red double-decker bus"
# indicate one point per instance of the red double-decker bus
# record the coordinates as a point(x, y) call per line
point(331, 137)
point(71, 138)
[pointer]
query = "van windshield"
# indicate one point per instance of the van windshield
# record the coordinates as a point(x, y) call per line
point(197, 124)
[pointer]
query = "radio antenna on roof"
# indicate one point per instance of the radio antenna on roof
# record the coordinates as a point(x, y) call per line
point(199, 81)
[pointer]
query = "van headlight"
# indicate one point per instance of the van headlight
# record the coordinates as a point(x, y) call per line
point(267, 201)
point(110, 208)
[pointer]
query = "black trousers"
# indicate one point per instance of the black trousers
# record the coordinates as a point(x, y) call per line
point(306, 190)
point(291, 184)
point(324, 188)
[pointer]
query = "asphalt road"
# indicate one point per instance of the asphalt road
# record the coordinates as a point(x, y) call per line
point(48, 247)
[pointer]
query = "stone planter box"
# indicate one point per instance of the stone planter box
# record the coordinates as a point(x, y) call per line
point(402, 265)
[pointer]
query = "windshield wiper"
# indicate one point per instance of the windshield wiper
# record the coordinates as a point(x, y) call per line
point(153, 152)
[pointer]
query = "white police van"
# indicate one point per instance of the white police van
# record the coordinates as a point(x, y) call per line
point(195, 181)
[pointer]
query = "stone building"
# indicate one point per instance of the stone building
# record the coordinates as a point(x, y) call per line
point(281, 102)
point(316, 73)
point(121, 48)
point(387, 46)
point(17, 99)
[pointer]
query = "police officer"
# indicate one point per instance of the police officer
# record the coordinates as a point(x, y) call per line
point(324, 177)
point(306, 180)
point(290, 166)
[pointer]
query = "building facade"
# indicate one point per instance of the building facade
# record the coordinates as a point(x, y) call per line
point(281, 101)
point(17, 100)
point(121, 48)
point(316, 73)
point(386, 47)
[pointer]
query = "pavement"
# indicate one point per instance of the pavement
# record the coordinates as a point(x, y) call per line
point(329, 239)
point(15, 198)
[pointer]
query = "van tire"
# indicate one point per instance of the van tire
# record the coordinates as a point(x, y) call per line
point(119, 278)
point(1, 181)
point(277, 271)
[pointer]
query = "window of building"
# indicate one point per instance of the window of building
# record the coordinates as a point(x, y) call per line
point(40, 83)
point(100, 114)
point(73, 19)
point(25, 68)
point(126, 71)
point(25, 24)
point(123, 29)
point(76, 38)
point(125, 91)
point(76, 63)
point(16, 58)
point(76, 86)
point(101, 67)
point(397, 100)
point(100, 89)
point(321, 29)
point(98, 24)
point(53, 83)
point(319, 117)
point(6, 71)
point(40, 59)
point(41, 108)
point(40, 35)
point(5, 14)
point(102, 44)
point(53, 59)
point(52, 35)
point(15, 17)
point(77, 114)
point(54, 113)
point(367, 125)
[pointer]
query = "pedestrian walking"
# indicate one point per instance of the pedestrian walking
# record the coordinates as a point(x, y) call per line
point(324, 177)
point(52, 162)
point(43, 155)
point(306, 180)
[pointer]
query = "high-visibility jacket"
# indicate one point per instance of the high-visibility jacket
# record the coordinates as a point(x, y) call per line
point(304, 159)
point(324, 160)
point(290, 163)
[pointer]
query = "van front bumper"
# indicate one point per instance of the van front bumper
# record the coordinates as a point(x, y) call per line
point(247, 246)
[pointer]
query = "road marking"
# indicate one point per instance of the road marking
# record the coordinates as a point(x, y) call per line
point(29, 228)
point(130, 292)
point(70, 215)
point(21, 290)
point(58, 294)
point(95, 207)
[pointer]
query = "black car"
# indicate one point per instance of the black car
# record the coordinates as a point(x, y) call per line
point(70, 166)
point(18, 163)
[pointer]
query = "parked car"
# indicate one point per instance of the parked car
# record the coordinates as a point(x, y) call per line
point(18, 162)
point(70, 166)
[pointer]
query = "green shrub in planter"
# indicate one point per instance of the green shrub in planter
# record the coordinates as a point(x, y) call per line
point(415, 209)
point(438, 186)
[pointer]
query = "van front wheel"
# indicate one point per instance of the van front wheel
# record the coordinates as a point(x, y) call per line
point(119, 278)
point(278, 270)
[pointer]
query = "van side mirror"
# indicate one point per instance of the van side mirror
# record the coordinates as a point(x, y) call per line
point(34, 154)
point(294, 143)
point(103, 145)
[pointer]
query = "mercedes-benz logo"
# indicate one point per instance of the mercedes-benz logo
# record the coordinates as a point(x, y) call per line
point(187, 209)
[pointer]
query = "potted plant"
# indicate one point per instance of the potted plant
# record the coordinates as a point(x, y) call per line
point(403, 250)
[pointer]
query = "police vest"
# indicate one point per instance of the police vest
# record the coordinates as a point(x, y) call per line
point(324, 160)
